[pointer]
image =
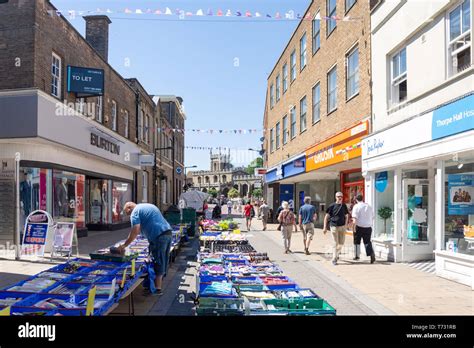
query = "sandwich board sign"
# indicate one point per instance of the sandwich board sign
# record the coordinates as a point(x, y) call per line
point(64, 233)
point(37, 233)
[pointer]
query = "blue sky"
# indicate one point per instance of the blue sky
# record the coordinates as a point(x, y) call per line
point(195, 60)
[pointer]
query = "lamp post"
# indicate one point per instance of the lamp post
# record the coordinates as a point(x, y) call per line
point(155, 174)
point(186, 168)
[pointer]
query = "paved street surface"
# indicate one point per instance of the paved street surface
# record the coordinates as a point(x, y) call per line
point(352, 287)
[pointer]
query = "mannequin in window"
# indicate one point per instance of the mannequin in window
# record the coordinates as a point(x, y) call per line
point(412, 226)
point(25, 194)
point(104, 203)
point(96, 198)
point(62, 198)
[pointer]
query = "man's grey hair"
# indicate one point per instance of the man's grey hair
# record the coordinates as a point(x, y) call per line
point(307, 200)
point(284, 205)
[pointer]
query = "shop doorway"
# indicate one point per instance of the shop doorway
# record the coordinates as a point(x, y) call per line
point(417, 217)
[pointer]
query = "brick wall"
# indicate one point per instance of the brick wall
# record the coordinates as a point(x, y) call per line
point(333, 50)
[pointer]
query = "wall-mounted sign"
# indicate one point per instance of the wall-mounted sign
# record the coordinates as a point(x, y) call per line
point(105, 144)
point(298, 164)
point(179, 170)
point(342, 147)
point(453, 118)
point(260, 171)
point(279, 172)
point(85, 82)
point(146, 160)
point(381, 181)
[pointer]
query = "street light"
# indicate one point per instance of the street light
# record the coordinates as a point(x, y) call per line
point(155, 171)
point(186, 168)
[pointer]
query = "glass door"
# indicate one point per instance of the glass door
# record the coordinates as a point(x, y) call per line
point(418, 229)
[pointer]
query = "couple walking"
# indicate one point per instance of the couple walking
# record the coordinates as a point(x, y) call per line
point(337, 215)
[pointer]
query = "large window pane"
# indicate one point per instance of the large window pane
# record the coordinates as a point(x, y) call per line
point(455, 23)
point(303, 114)
point(303, 52)
point(352, 73)
point(293, 123)
point(384, 205)
point(68, 197)
point(277, 135)
point(316, 103)
point(316, 35)
point(332, 89)
point(285, 130)
point(293, 65)
point(331, 10)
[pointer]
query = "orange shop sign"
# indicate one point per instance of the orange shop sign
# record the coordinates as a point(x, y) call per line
point(341, 147)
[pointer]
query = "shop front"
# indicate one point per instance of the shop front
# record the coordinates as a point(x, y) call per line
point(419, 179)
point(70, 166)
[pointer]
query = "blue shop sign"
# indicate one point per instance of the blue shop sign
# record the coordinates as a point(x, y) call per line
point(85, 82)
point(381, 181)
point(271, 176)
point(453, 118)
point(298, 166)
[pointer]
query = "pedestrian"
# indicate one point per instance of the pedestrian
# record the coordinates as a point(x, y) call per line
point(307, 216)
point(216, 212)
point(147, 219)
point(337, 215)
point(264, 213)
point(249, 214)
point(229, 207)
point(363, 215)
point(291, 206)
point(287, 221)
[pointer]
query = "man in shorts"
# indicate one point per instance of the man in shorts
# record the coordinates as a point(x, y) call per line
point(148, 219)
point(307, 216)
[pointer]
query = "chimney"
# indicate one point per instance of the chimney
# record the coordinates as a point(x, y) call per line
point(97, 34)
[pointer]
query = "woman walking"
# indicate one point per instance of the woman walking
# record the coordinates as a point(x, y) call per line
point(287, 221)
point(249, 213)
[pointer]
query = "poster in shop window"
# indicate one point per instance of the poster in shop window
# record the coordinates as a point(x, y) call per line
point(460, 194)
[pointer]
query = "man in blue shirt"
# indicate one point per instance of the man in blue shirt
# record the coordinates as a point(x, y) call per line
point(307, 215)
point(147, 218)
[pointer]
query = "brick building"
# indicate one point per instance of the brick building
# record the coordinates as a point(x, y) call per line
point(318, 105)
point(78, 150)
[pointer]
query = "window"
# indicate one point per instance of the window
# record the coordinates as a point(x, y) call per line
point(460, 38)
point(126, 120)
point(285, 129)
point(144, 187)
point(272, 96)
point(277, 136)
point(332, 89)
point(80, 104)
point(303, 52)
point(56, 76)
point(293, 122)
point(98, 115)
point(331, 11)
point(352, 73)
point(207, 179)
point(293, 65)
point(399, 77)
point(277, 88)
point(349, 4)
point(155, 135)
point(114, 115)
point(140, 125)
point(303, 108)
point(316, 103)
point(147, 123)
point(285, 78)
point(272, 142)
point(215, 178)
point(316, 33)
point(164, 190)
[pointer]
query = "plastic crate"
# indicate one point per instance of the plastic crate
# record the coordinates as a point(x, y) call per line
point(30, 311)
point(75, 288)
point(212, 278)
point(13, 294)
point(11, 287)
point(301, 307)
point(99, 271)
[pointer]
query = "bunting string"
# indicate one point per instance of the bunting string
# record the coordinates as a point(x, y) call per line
point(199, 14)
point(210, 131)
point(218, 148)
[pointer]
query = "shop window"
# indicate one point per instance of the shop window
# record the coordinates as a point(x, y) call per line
point(459, 207)
point(121, 194)
point(98, 201)
point(68, 197)
point(459, 46)
point(399, 78)
point(384, 205)
point(35, 191)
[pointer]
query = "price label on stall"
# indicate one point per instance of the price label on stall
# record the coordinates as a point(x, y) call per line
point(133, 268)
point(5, 312)
point(123, 278)
point(112, 288)
point(91, 302)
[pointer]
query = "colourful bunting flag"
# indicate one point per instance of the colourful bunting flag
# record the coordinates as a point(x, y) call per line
point(238, 14)
point(248, 14)
point(219, 13)
point(168, 11)
point(199, 13)
point(229, 13)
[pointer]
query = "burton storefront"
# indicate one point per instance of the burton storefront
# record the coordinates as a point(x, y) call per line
point(425, 186)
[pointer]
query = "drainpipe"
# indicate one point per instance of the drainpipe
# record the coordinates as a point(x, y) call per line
point(137, 110)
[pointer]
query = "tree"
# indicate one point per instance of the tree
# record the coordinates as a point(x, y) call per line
point(213, 192)
point(257, 193)
point(256, 163)
point(385, 213)
point(233, 193)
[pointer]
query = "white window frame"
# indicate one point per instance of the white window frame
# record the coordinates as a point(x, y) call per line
point(277, 88)
point(272, 141)
point(56, 75)
point(285, 130)
point(285, 77)
point(99, 108)
point(127, 121)
point(303, 49)
point(292, 124)
point(293, 67)
point(464, 37)
point(331, 91)
point(316, 36)
point(303, 114)
point(355, 74)
point(401, 77)
point(277, 136)
point(330, 13)
point(144, 187)
point(80, 104)
point(316, 104)
point(272, 96)
point(114, 115)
